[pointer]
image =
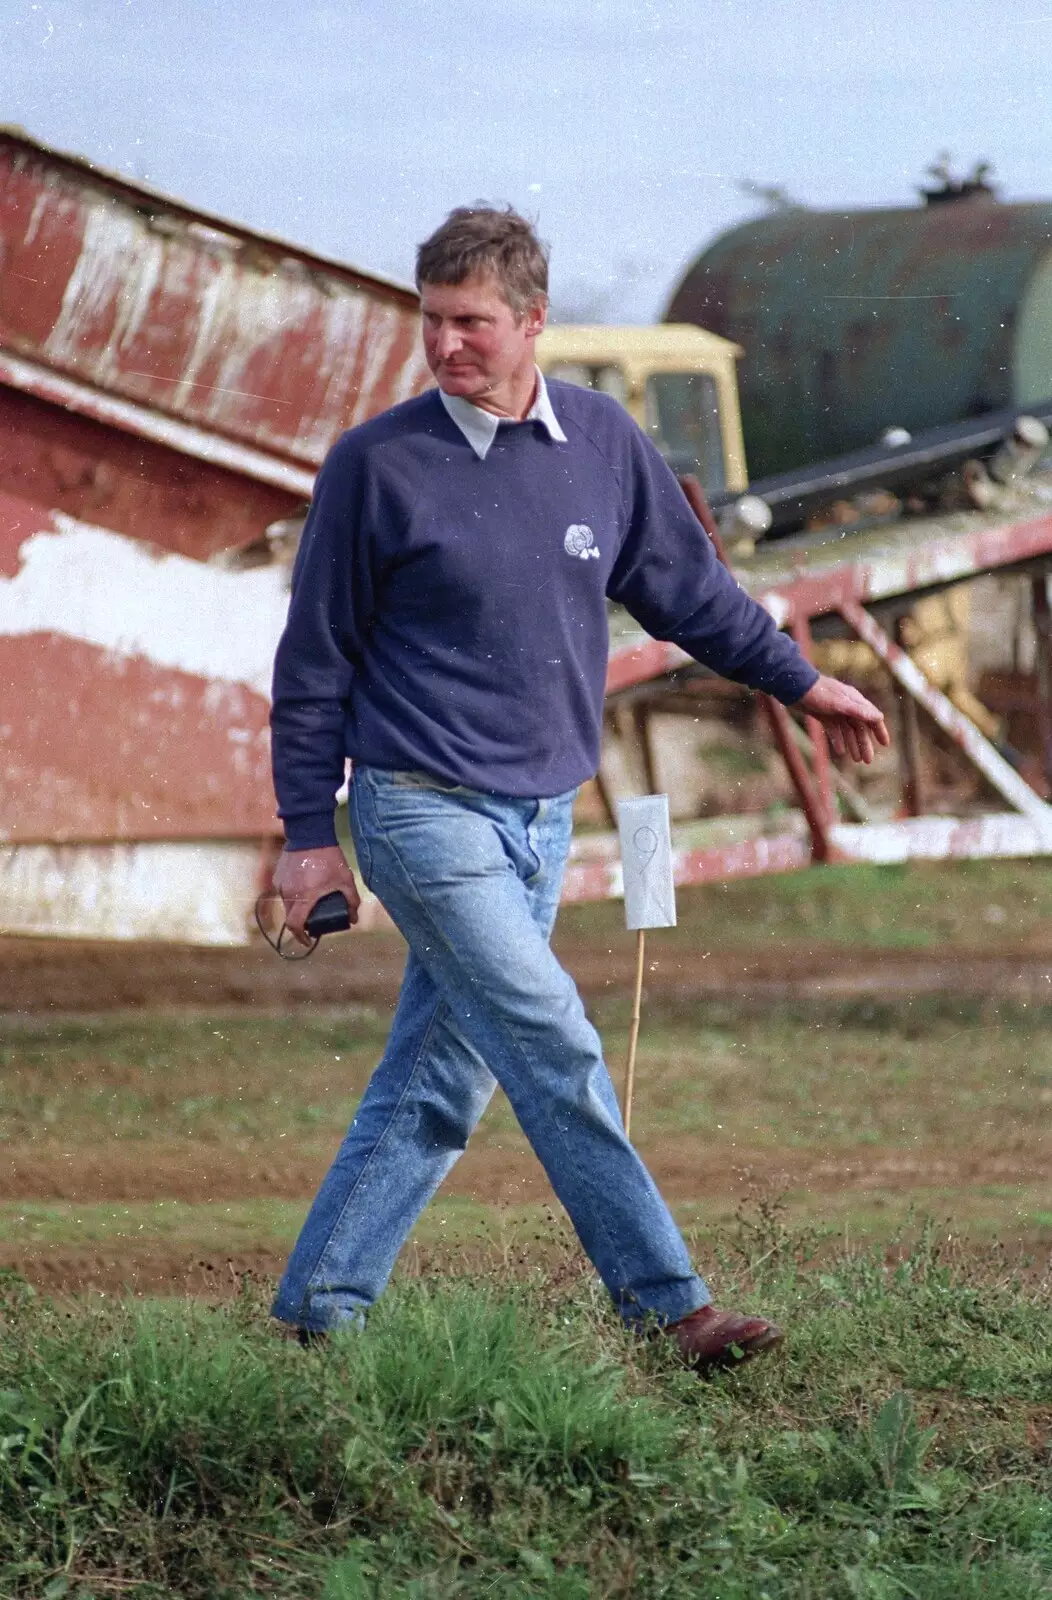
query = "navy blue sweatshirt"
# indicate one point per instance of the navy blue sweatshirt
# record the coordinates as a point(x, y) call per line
point(448, 614)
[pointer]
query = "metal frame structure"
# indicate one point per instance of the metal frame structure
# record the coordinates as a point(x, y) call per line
point(853, 591)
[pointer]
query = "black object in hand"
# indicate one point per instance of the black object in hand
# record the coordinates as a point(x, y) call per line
point(331, 914)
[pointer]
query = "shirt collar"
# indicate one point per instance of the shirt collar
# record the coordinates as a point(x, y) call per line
point(480, 427)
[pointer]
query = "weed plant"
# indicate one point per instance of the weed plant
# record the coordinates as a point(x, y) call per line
point(486, 1436)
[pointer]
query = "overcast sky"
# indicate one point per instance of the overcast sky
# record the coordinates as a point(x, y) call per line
point(624, 126)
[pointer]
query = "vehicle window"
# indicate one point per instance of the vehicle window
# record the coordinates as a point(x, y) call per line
point(607, 378)
point(682, 414)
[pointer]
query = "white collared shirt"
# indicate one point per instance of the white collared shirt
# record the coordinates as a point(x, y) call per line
point(480, 427)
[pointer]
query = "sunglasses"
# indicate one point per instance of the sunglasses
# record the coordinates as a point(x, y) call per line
point(331, 914)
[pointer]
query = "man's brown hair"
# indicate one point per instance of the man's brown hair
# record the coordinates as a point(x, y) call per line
point(484, 239)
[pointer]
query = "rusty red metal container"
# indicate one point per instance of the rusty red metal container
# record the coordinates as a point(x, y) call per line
point(169, 384)
point(152, 302)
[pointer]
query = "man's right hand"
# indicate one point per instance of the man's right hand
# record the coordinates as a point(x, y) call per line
point(303, 877)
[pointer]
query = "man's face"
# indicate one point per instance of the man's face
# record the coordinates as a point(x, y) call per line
point(473, 341)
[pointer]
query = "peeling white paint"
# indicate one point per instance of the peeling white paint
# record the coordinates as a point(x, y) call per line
point(382, 335)
point(414, 375)
point(196, 893)
point(910, 555)
point(116, 273)
point(210, 300)
point(41, 205)
point(244, 323)
point(183, 893)
point(1001, 835)
point(345, 321)
point(254, 323)
point(106, 590)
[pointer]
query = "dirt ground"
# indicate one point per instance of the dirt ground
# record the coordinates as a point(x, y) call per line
point(40, 981)
point(492, 1177)
point(43, 977)
point(495, 1176)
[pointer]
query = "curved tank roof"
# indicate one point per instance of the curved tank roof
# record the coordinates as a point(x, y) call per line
point(855, 321)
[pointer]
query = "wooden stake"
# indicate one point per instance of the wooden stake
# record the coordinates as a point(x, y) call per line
point(633, 1038)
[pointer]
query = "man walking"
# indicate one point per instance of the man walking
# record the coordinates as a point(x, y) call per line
point(448, 632)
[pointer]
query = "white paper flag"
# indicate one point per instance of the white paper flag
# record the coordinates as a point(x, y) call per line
point(646, 861)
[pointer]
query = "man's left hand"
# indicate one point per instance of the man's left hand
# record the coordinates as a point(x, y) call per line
point(853, 724)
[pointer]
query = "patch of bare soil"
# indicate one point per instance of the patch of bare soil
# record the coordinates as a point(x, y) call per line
point(496, 1177)
point(685, 1167)
point(167, 1268)
point(40, 976)
point(144, 1270)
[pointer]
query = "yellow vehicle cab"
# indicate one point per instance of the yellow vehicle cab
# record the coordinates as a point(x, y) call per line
point(678, 381)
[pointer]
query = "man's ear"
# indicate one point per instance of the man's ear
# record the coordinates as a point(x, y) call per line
point(536, 317)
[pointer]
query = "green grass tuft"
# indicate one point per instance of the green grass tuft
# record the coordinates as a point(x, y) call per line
point(973, 905)
point(485, 1439)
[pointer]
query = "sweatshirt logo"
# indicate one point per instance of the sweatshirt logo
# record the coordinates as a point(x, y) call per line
point(579, 541)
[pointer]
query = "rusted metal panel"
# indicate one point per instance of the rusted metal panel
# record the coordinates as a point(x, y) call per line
point(136, 687)
point(639, 663)
point(196, 444)
point(225, 329)
point(916, 560)
point(155, 492)
point(169, 384)
point(749, 858)
point(112, 747)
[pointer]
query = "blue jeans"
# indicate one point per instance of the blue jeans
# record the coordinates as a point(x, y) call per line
point(473, 881)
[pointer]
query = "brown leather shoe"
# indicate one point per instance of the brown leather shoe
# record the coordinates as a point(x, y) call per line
point(309, 1338)
point(710, 1337)
point(306, 1338)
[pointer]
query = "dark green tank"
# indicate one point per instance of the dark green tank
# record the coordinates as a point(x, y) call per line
point(856, 321)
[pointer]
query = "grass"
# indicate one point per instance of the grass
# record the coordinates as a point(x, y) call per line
point(838, 1074)
point(478, 1439)
point(969, 905)
point(458, 1222)
point(205, 1225)
point(158, 1076)
point(900, 1086)
point(494, 1432)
